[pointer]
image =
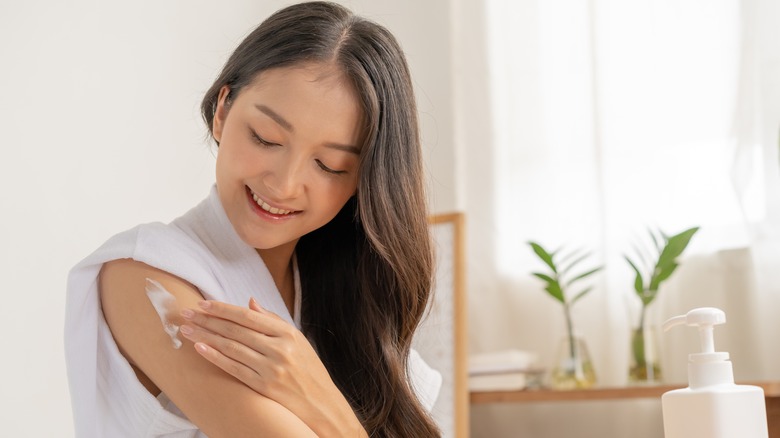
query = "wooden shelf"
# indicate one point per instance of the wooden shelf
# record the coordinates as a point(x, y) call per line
point(771, 390)
point(771, 393)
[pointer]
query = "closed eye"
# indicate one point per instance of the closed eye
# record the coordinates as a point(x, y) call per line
point(329, 170)
point(259, 140)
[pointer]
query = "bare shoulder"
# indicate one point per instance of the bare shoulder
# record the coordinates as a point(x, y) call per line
point(123, 285)
point(126, 303)
point(216, 402)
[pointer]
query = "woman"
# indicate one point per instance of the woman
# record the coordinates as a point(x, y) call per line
point(319, 174)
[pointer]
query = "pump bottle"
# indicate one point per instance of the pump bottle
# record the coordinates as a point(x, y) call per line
point(712, 406)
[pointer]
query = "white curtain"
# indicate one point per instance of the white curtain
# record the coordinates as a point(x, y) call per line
point(609, 117)
point(756, 164)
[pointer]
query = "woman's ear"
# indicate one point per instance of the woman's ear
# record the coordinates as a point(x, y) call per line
point(220, 113)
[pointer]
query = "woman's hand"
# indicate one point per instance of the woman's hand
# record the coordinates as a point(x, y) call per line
point(273, 358)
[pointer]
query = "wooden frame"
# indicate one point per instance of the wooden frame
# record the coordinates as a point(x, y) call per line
point(442, 336)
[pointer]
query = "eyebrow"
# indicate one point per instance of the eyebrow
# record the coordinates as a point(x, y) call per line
point(275, 116)
point(289, 127)
point(344, 147)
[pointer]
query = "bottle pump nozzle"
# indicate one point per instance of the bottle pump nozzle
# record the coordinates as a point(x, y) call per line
point(708, 367)
point(705, 318)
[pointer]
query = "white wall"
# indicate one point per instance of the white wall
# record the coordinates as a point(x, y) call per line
point(101, 131)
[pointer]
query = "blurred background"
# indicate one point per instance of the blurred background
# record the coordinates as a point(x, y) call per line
point(571, 123)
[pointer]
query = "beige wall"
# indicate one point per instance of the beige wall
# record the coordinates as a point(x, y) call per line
point(423, 28)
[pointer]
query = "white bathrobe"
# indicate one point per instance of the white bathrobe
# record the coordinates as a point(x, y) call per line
point(202, 248)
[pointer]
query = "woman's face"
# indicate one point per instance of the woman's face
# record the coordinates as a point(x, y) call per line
point(288, 152)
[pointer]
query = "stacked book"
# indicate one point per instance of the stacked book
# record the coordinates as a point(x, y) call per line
point(507, 370)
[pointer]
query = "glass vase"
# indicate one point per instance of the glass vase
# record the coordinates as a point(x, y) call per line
point(573, 368)
point(644, 366)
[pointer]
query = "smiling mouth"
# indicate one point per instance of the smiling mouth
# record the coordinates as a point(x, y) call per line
point(264, 205)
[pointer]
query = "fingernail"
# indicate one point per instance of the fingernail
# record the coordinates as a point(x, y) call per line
point(201, 347)
point(256, 305)
point(204, 304)
point(187, 330)
point(187, 313)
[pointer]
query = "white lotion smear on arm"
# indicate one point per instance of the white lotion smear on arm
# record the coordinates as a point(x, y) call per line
point(163, 302)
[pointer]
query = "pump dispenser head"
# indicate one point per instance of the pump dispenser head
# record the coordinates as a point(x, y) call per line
point(705, 318)
point(708, 367)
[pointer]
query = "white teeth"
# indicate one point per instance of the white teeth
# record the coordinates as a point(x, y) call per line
point(268, 208)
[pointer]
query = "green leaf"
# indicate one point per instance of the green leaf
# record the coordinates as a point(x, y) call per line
point(544, 277)
point(675, 245)
point(639, 286)
point(585, 274)
point(544, 255)
point(554, 289)
point(565, 258)
point(574, 263)
point(580, 295)
point(667, 261)
point(642, 256)
point(661, 274)
point(656, 242)
point(555, 286)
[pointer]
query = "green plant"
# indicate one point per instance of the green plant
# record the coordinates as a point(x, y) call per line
point(560, 279)
point(652, 267)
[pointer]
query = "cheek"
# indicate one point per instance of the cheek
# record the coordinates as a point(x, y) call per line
point(345, 196)
point(335, 195)
point(227, 163)
point(236, 157)
point(347, 188)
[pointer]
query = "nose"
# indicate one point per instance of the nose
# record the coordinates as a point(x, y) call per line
point(286, 178)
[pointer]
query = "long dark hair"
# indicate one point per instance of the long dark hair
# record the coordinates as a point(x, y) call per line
point(366, 275)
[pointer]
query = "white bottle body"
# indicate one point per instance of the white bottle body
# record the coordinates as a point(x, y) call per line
point(717, 411)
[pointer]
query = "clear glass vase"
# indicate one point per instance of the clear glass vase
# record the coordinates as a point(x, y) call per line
point(573, 368)
point(644, 366)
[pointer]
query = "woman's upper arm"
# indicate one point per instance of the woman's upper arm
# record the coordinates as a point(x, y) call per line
point(216, 402)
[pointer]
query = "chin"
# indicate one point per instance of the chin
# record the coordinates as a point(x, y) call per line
point(266, 244)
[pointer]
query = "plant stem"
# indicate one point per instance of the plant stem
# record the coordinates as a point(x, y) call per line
point(639, 339)
point(570, 331)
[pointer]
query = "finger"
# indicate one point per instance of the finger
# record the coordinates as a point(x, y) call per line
point(227, 347)
point(228, 326)
point(237, 369)
point(225, 329)
point(226, 335)
point(193, 333)
point(254, 305)
point(263, 321)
